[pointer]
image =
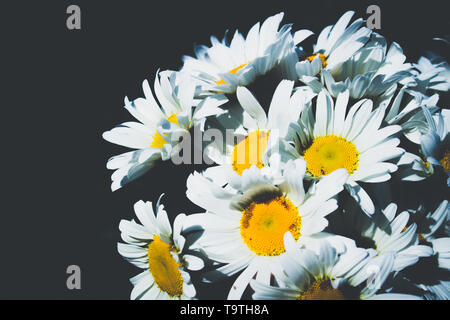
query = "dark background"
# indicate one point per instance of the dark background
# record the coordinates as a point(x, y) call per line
point(61, 89)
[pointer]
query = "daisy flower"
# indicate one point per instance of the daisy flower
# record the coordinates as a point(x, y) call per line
point(223, 67)
point(154, 247)
point(258, 130)
point(159, 125)
point(353, 140)
point(428, 222)
point(372, 72)
point(407, 111)
point(430, 74)
point(427, 275)
point(384, 233)
point(328, 275)
point(245, 221)
point(434, 149)
point(435, 144)
point(335, 45)
point(440, 289)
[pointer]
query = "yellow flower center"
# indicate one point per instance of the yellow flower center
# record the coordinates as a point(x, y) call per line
point(329, 153)
point(263, 225)
point(322, 289)
point(158, 140)
point(250, 151)
point(173, 119)
point(445, 161)
point(233, 71)
point(322, 57)
point(164, 268)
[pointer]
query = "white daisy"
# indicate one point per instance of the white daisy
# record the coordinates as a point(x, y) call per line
point(336, 138)
point(245, 221)
point(428, 222)
point(335, 45)
point(384, 233)
point(222, 67)
point(435, 144)
point(440, 289)
point(259, 130)
point(155, 135)
point(372, 72)
point(153, 246)
point(430, 74)
point(434, 149)
point(407, 111)
point(327, 275)
point(428, 275)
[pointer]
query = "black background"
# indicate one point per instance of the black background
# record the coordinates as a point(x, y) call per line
point(61, 89)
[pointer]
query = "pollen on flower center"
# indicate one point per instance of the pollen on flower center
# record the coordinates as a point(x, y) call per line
point(233, 71)
point(158, 140)
point(164, 268)
point(329, 153)
point(250, 151)
point(322, 58)
point(173, 118)
point(445, 161)
point(322, 289)
point(263, 225)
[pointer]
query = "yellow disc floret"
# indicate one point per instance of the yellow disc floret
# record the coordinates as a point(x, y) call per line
point(329, 153)
point(445, 161)
point(164, 268)
point(322, 58)
point(322, 289)
point(263, 225)
point(233, 71)
point(250, 151)
point(158, 140)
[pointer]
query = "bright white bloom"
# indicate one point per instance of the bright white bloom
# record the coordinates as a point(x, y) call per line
point(430, 74)
point(153, 246)
point(336, 138)
point(335, 45)
point(434, 149)
point(372, 72)
point(327, 275)
point(441, 289)
point(384, 233)
point(428, 222)
point(435, 144)
point(429, 276)
point(407, 111)
point(245, 221)
point(259, 130)
point(223, 67)
point(160, 125)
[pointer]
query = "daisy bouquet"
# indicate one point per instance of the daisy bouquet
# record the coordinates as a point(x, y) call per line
point(334, 187)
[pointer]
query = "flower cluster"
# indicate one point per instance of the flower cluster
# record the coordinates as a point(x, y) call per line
point(336, 187)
